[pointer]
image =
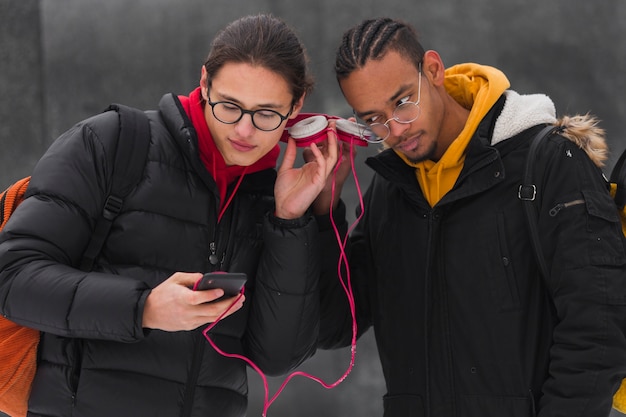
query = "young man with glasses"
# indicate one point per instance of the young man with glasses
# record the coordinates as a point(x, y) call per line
point(128, 338)
point(442, 265)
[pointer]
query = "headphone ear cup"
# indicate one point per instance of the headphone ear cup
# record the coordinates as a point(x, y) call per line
point(353, 132)
point(308, 127)
point(349, 127)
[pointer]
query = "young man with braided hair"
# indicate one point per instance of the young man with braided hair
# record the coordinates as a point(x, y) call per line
point(442, 265)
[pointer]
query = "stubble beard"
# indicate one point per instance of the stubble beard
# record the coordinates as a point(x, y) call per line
point(428, 154)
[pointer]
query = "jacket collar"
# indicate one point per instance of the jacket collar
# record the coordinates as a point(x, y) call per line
point(482, 159)
point(184, 134)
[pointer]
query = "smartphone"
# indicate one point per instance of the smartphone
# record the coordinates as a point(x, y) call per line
point(230, 282)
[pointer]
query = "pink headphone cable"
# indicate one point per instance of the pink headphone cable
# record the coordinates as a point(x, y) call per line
point(346, 286)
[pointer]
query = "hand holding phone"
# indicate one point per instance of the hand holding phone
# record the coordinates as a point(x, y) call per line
point(230, 282)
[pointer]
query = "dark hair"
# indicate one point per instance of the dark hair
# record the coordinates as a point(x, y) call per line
point(372, 39)
point(266, 41)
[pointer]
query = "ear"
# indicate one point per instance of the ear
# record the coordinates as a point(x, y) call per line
point(297, 107)
point(204, 83)
point(433, 68)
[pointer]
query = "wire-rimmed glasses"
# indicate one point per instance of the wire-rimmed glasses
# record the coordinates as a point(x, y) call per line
point(406, 112)
point(263, 119)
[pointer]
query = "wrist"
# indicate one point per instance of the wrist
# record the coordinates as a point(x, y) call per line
point(288, 223)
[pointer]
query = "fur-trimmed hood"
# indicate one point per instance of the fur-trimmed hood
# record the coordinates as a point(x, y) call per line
point(584, 131)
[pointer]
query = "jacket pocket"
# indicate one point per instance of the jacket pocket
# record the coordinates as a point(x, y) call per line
point(605, 248)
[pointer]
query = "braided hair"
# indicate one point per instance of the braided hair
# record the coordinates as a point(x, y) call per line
point(372, 39)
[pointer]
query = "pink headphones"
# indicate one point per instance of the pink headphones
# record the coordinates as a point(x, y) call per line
point(307, 128)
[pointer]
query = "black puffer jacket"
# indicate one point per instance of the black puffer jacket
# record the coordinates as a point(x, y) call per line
point(95, 357)
point(464, 323)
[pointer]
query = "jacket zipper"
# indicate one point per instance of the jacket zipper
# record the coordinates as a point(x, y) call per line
point(427, 288)
point(199, 345)
point(217, 262)
point(213, 258)
point(217, 254)
point(556, 209)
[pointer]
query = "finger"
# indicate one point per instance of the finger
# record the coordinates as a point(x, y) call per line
point(188, 279)
point(331, 157)
point(331, 131)
point(331, 137)
point(317, 153)
point(231, 304)
point(206, 296)
point(321, 166)
point(307, 155)
point(223, 307)
point(290, 156)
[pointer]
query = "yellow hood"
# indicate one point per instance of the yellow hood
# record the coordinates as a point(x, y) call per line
point(475, 87)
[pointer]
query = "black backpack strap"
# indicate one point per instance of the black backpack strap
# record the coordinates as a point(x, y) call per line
point(618, 177)
point(528, 194)
point(130, 159)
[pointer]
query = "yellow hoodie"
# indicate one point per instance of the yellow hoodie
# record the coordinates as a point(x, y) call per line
point(475, 87)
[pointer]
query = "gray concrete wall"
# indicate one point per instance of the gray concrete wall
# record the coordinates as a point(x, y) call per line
point(22, 121)
point(64, 60)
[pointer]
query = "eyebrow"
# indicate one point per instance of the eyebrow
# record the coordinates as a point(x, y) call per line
point(224, 97)
point(401, 92)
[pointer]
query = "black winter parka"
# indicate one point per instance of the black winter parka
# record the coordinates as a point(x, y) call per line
point(95, 359)
point(464, 322)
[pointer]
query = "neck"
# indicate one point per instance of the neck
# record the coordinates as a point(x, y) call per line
point(453, 122)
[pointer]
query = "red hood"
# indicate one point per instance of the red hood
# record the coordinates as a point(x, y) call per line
point(210, 155)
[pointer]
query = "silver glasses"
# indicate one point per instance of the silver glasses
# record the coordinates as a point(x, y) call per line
point(406, 112)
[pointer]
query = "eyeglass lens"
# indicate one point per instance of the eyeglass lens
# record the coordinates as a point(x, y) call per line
point(406, 112)
point(263, 119)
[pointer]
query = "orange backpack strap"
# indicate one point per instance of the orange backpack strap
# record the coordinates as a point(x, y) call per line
point(11, 197)
point(18, 345)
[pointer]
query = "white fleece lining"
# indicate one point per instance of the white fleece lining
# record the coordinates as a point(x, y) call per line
point(521, 112)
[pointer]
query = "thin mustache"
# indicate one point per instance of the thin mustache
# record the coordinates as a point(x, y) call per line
point(404, 139)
